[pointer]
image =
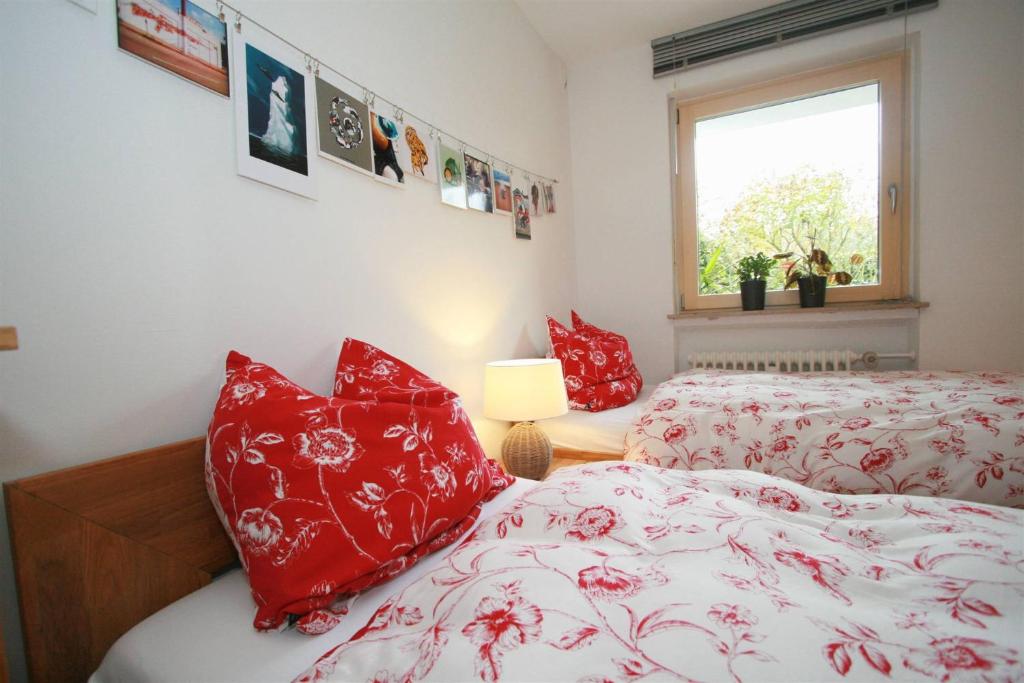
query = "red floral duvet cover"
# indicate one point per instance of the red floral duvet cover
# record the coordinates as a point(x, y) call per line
point(626, 572)
point(950, 434)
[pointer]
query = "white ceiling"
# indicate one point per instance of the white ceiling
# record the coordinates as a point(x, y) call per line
point(578, 29)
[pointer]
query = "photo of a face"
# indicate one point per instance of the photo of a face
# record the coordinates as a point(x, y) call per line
point(479, 193)
point(343, 126)
point(451, 176)
point(502, 192)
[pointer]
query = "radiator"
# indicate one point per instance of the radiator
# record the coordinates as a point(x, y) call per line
point(790, 361)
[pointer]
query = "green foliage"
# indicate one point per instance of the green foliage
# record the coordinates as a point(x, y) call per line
point(756, 267)
point(785, 215)
point(713, 274)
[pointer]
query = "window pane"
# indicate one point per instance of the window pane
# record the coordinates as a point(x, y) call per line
point(775, 178)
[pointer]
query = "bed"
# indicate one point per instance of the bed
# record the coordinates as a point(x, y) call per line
point(602, 435)
point(950, 434)
point(616, 571)
point(219, 642)
point(613, 570)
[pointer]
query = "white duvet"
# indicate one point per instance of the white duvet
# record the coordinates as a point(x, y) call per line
point(949, 434)
point(627, 572)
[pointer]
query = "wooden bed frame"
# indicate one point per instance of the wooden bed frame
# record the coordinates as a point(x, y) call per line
point(567, 457)
point(99, 547)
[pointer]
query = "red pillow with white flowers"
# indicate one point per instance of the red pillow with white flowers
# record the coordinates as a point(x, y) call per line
point(633, 374)
point(599, 371)
point(324, 497)
point(366, 372)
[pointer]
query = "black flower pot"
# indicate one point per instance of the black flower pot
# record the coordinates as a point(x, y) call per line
point(752, 294)
point(812, 291)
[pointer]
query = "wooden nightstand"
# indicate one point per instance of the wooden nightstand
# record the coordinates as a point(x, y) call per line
point(567, 457)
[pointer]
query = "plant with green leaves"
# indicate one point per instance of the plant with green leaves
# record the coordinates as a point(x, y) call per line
point(757, 267)
point(775, 215)
point(812, 262)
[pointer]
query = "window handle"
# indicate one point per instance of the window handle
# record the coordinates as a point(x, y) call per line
point(892, 197)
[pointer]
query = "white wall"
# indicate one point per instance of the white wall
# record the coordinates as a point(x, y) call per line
point(132, 257)
point(969, 173)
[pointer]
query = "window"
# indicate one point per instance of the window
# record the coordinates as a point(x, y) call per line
point(812, 159)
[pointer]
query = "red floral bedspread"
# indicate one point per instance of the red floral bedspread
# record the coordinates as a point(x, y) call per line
point(956, 435)
point(622, 572)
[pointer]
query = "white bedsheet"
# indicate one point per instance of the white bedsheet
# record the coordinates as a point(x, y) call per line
point(603, 432)
point(208, 635)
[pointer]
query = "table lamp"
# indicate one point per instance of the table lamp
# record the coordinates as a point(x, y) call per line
point(522, 391)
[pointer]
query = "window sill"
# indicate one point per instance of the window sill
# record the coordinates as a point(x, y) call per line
point(855, 310)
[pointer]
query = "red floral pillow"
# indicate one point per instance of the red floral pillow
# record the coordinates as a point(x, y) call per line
point(364, 371)
point(583, 327)
point(324, 497)
point(599, 371)
point(580, 325)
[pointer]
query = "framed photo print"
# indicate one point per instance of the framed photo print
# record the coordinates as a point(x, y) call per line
point(177, 36)
point(343, 127)
point(417, 155)
point(549, 197)
point(502, 192)
point(535, 193)
point(274, 114)
point(451, 175)
point(479, 193)
point(387, 143)
point(521, 213)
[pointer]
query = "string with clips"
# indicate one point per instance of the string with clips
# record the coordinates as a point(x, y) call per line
point(370, 98)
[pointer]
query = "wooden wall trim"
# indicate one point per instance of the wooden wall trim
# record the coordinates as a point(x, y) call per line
point(8, 342)
point(99, 547)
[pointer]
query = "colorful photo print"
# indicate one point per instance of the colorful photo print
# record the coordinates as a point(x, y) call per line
point(479, 193)
point(535, 192)
point(274, 112)
point(549, 197)
point(418, 155)
point(451, 174)
point(521, 214)
point(178, 36)
point(343, 127)
point(386, 145)
point(502, 192)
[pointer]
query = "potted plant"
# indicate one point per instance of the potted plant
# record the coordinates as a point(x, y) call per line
point(810, 273)
point(753, 273)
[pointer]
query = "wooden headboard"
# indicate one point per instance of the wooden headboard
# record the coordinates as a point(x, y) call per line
point(99, 547)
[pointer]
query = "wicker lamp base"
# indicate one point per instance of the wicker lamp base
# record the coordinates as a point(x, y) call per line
point(526, 451)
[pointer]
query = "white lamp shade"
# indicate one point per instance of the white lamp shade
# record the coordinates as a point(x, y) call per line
point(524, 390)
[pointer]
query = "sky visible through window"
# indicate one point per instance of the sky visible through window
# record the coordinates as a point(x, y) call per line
point(767, 177)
